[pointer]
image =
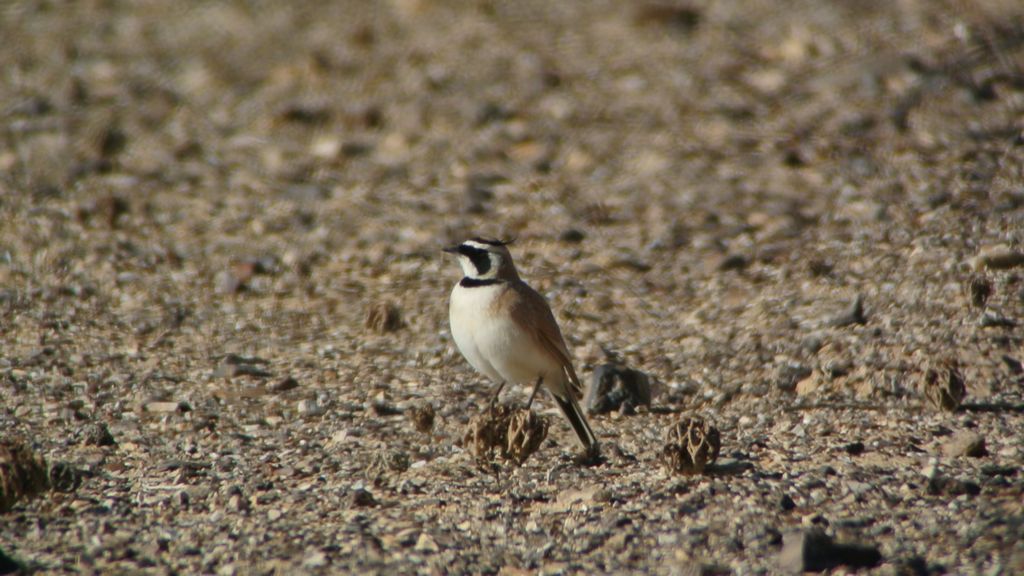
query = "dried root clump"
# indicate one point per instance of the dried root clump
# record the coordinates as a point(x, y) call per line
point(384, 317)
point(422, 417)
point(979, 290)
point(388, 462)
point(526, 432)
point(512, 434)
point(22, 473)
point(691, 444)
point(943, 385)
point(487, 432)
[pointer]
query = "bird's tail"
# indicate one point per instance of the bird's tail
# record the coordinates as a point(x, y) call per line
point(571, 408)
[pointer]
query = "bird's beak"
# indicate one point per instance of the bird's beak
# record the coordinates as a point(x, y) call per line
point(451, 249)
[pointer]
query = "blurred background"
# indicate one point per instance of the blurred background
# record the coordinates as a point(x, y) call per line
point(699, 186)
point(305, 134)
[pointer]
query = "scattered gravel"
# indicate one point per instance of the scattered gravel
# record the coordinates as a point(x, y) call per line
point(220, 234)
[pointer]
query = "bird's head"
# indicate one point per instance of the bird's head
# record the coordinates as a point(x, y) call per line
point(485, 259)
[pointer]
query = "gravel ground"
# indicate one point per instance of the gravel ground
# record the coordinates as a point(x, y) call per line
point(222, 296)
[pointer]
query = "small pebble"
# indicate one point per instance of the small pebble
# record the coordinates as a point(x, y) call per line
point(361, 498)
point(99, 435)
point(854, 448)
point(852, 315)
point(965, 444)
point(815, 551)
point(998, 257)
point(309, 407)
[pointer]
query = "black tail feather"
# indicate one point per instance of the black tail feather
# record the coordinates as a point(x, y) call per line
point(571, 408)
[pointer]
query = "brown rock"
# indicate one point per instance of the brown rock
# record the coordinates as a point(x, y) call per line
point(809, 385)
point(814, 551)
point(998, 257)
point(162, 407)
point(362, 498)
point(965, 444)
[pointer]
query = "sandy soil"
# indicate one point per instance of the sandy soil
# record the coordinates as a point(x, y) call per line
point(220, 233)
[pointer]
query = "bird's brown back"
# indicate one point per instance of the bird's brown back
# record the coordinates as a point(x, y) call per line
point(530, 311)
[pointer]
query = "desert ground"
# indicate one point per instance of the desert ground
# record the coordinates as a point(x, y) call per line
point(223, 300)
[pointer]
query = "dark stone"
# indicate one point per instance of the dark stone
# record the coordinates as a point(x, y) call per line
point(786, 503)
point(288, 383)
point(112, 142)
point(733, 262)
point(355, 149)
point(812, 343)
point(613, 385)
point(99, 435)
point(853, 315)
point(304, 113)
point(34, 106)
point(233, 365)
point(362, 498)
point(990, 319)
point(788, 374)
point(997, 470)
point(1013, 364)
point(814, 551)
point(384, 408)
point(572, 235)
point(854, 448)
point(942, 486)
point(492, 112)
point(681, 18)
point(913, 566)
point(818, 267)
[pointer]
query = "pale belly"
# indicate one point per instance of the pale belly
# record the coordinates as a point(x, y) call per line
point(497, 347)
point(465, 308)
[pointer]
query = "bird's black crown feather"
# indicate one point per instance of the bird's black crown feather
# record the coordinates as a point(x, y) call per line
point(493, 241)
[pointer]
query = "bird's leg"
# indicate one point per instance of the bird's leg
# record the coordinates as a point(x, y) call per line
point(497, 392)
point(536, 387)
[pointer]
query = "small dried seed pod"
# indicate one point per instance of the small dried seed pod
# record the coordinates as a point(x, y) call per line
point(526, 432)
point(979, 289)
point(384, 317)
point(388, 462)
point(22, 473)
point(943, 385)
point(691, 444)
point(422, 417)
point(487, 432)
point(98, 435)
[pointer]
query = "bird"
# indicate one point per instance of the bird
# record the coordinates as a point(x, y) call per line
point(507, 332)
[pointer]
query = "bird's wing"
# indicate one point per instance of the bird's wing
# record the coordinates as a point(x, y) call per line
point(531, 311)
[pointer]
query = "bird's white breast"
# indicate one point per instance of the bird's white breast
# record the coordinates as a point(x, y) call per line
point(494, 343)
point(468, 315)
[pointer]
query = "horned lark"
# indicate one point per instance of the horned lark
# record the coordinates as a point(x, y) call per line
point(506, 330)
